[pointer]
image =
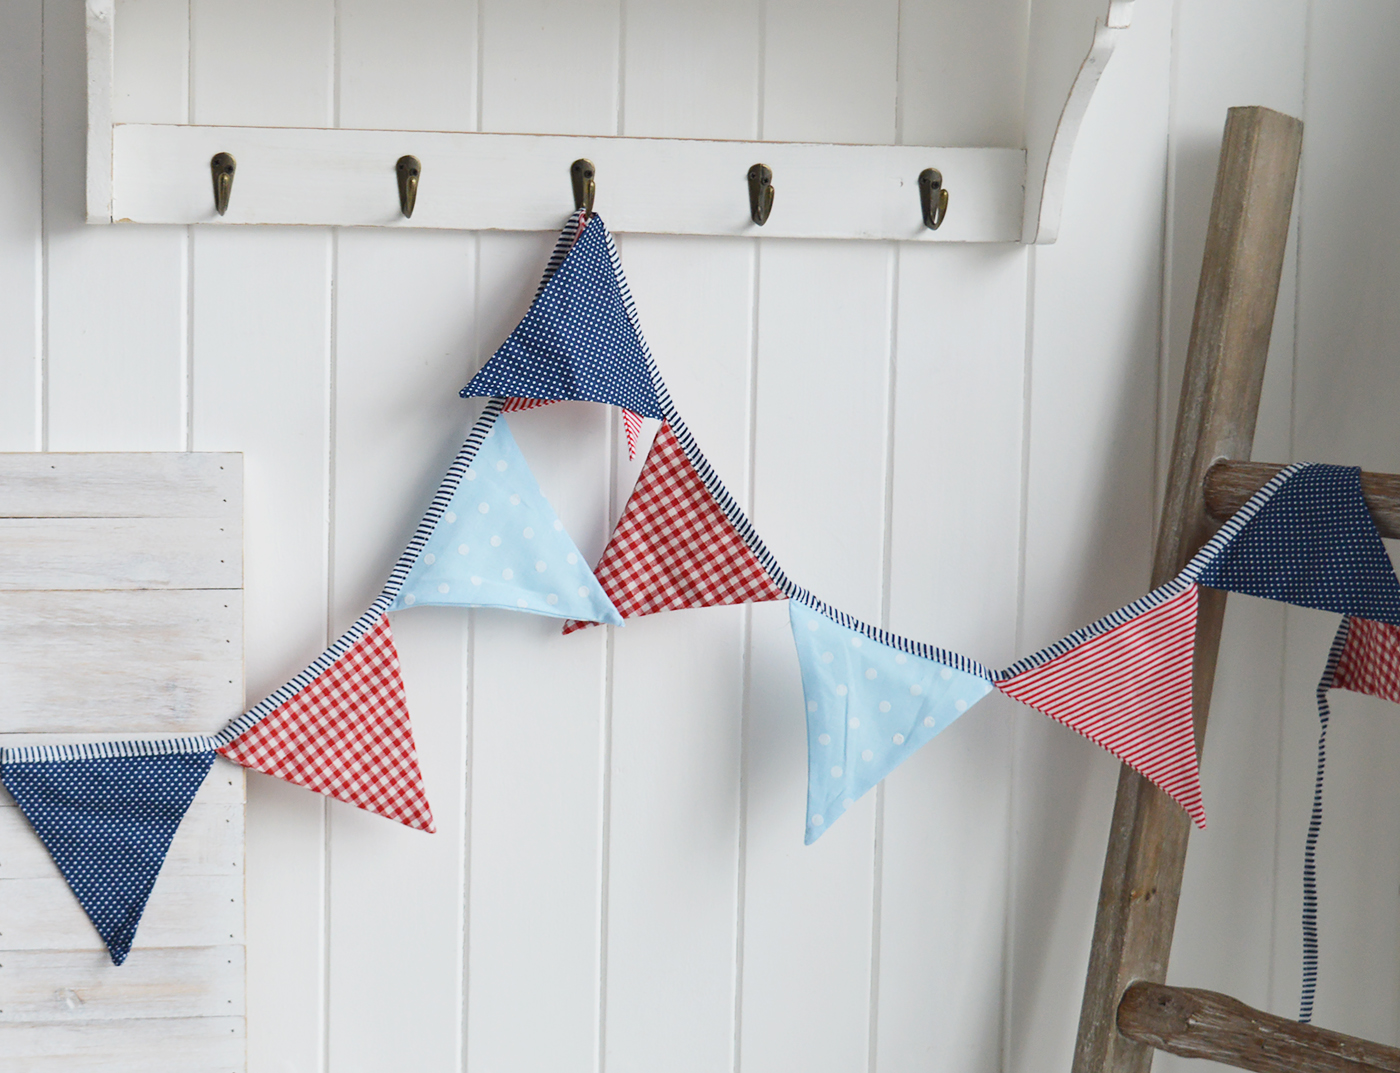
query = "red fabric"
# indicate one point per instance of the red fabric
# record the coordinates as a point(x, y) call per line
point(631, 423)
point(1129, 690)
point(1370, 660)
point(674, 547)
point(346, 735)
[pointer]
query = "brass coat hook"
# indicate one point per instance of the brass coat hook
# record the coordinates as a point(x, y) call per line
point(582, 173)
point(933, 197)
point(408, 169)
point(760, 193)
point(221, 167)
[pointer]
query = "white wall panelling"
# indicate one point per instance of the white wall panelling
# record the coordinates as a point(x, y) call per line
point(961, 440)
point(148, 173)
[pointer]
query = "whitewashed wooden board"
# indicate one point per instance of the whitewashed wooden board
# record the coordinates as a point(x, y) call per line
point(121, 615)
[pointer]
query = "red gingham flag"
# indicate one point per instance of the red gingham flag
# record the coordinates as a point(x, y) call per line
point(1129, 690)
point(674, 547)
point(631, 423)
point(1370, 660)
point(346, 735)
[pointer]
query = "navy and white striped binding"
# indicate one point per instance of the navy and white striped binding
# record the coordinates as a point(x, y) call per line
point(1324, 716)
point(1158, 596)
point(106, 750)
point(739, 520)
point(366, 622)
point(1237, 521)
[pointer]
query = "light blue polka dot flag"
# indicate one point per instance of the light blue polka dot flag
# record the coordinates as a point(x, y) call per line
point(108, 817)
point(578, 340)
point(499, 544)
point(869, 707)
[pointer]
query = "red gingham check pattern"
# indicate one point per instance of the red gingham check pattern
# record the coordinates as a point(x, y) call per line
point(1370, 660)
point(346, 735)
point(1129, 690)
point(631, 423)
point(674, 547)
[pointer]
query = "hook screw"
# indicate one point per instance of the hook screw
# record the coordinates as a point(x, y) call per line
point(933, 197)
point(760, 193)
point(408, 169)
point(221, 167)
point(582, 173)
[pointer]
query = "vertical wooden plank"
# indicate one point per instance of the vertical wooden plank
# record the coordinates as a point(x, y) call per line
point(550, 67)
point(150, 76)
point(537, 770)
point(953, 582)
point(261, 367)
point(1223, 941)
point(675, 782)
point(962, 73)
point(1090, 519)
point(805, 43)
point(1345, 374)
point(21, 226)
point(678, 704)
point(819, 501)
point(115, 324)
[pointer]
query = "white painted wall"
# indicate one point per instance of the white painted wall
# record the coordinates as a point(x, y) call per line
point(619, 882)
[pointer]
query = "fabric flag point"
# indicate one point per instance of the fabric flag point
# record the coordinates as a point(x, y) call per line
point(1125, 683)
point(1310, 541)
point(108, 818)
point(500, 544)
point(869, 707)
point(577, 341)
point(346, 735)
point(674, 547)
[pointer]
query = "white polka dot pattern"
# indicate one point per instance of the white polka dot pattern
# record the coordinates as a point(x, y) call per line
point(108, 823)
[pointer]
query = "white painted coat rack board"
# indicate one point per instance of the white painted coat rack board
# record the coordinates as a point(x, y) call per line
point(166, 173)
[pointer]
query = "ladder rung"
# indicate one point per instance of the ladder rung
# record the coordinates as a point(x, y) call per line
point(1230, 484)
point(1203, 1024)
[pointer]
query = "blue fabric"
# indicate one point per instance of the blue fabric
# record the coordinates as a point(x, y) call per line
point(577, 341)
point(869, 707)
point(500, 544)
point(107, 824)
point(1312, 544)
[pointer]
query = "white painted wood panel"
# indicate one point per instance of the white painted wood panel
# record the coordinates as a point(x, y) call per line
point(131, 553)
point(130, 485)
point(173, 655)
point(80, 985)
point(21, 224)
point(166, 1045)
point(185, 911)
point(208, 842)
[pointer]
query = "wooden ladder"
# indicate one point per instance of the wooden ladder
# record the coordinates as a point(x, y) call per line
point(1128, 1010)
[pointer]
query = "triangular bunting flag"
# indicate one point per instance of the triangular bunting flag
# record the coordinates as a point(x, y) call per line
point(346, 734)
point(107, 818)
point(1369, 661)
point(1309, 541)
point(869, 707)
point(1125, 683)
point(500, 544)
point(674, 547)
point(577, 341)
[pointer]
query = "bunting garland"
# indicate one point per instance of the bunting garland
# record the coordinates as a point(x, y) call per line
point(490, 538)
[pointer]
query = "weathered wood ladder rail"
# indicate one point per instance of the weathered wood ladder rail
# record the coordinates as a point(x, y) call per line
point(1128, 1010)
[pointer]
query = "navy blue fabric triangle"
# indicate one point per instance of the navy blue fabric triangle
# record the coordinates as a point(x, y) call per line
point(577, 341)
point(1312, 544)
point(108, 822)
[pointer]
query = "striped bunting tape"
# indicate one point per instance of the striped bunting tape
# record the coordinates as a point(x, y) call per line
point(366, 622)
point(105, 750)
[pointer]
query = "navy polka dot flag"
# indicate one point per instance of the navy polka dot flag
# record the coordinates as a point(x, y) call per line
point(577, 341)
point(108, 820)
